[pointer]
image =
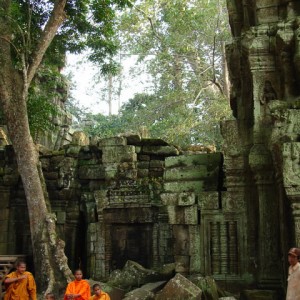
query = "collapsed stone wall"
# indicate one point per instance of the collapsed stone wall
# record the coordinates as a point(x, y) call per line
point(132, 198)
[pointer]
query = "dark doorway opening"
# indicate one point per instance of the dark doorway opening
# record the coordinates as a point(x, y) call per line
point(131, 242)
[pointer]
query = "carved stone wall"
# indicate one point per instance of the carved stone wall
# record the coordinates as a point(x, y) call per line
point(264, 69)
point(130, 198)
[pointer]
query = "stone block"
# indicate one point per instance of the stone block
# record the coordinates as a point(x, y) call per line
point(155, 286)
point(90, 153)
point(143, 164)
point(143, 157)
point(182, 264)
point(127, 173)
point(111, 171)
point(208, 200)
point(183, 215)
point(184, 186)
point(134, 139)
point(207, 285)
point(93, 172)
point(142, 173)
point(113, 141)
point(267, 15)
point(92, 161)
point(186, 173)
point(190, 215)
point(169, 198)
point(160, 150)
point(138, 149)
point(153, 142)
point(119, 154)
point(80, 138)
point(140, 294)
point(55, 161)
point(212, 180)
point(185, 199)
point(179, 288)
point(155, 163)
point(233, 201)
point(193, 160)
point(61, 217)
point(72, 150)
point(156, 173)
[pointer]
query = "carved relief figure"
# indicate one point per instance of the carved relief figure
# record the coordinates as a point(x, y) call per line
point(268, 94)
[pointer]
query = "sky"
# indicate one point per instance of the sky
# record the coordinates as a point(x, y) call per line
point(88, 94)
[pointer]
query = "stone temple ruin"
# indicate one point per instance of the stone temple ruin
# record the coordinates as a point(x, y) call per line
point(232, 215)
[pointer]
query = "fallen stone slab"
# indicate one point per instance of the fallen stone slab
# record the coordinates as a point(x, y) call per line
point(139, 294)
point(154, 287)
point(179, 288)
point(207, 285)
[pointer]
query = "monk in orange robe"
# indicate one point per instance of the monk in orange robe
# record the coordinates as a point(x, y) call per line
point(20, 284)
point(98, 293)
point(79, 289)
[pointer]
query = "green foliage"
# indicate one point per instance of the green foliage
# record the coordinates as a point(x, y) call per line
point(181, 42)
point(47, 87)
point(180, 125)
point(103, 126)
point(89, 25)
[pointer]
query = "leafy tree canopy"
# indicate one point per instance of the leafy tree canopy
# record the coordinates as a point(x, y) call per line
point(89, 25)
point(182, 44)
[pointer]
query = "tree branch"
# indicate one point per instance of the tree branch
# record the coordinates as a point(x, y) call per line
point(56, 19)
point(148, 18)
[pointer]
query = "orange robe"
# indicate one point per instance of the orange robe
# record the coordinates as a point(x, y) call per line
point(24, 289)
point(81, 287)
point(102, 296)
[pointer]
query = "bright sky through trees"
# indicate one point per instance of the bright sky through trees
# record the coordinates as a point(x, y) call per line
point(91, 95)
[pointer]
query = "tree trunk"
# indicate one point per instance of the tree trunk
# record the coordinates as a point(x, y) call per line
point(51, 268)
point(225, 73)
point(110, 93)
point(51, 264)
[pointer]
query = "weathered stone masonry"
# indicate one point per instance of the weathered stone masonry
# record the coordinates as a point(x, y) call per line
point(133, 198)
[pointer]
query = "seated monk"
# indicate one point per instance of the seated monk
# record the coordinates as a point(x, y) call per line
point(78, 289)
point(20, 284)
point(98, 293)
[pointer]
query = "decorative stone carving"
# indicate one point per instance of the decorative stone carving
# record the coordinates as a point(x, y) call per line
point(291, 167)
point(66, 172)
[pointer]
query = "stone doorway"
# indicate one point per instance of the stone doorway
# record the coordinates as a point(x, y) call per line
point(131, 242)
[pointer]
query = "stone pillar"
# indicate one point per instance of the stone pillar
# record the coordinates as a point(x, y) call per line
point(268, 215)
